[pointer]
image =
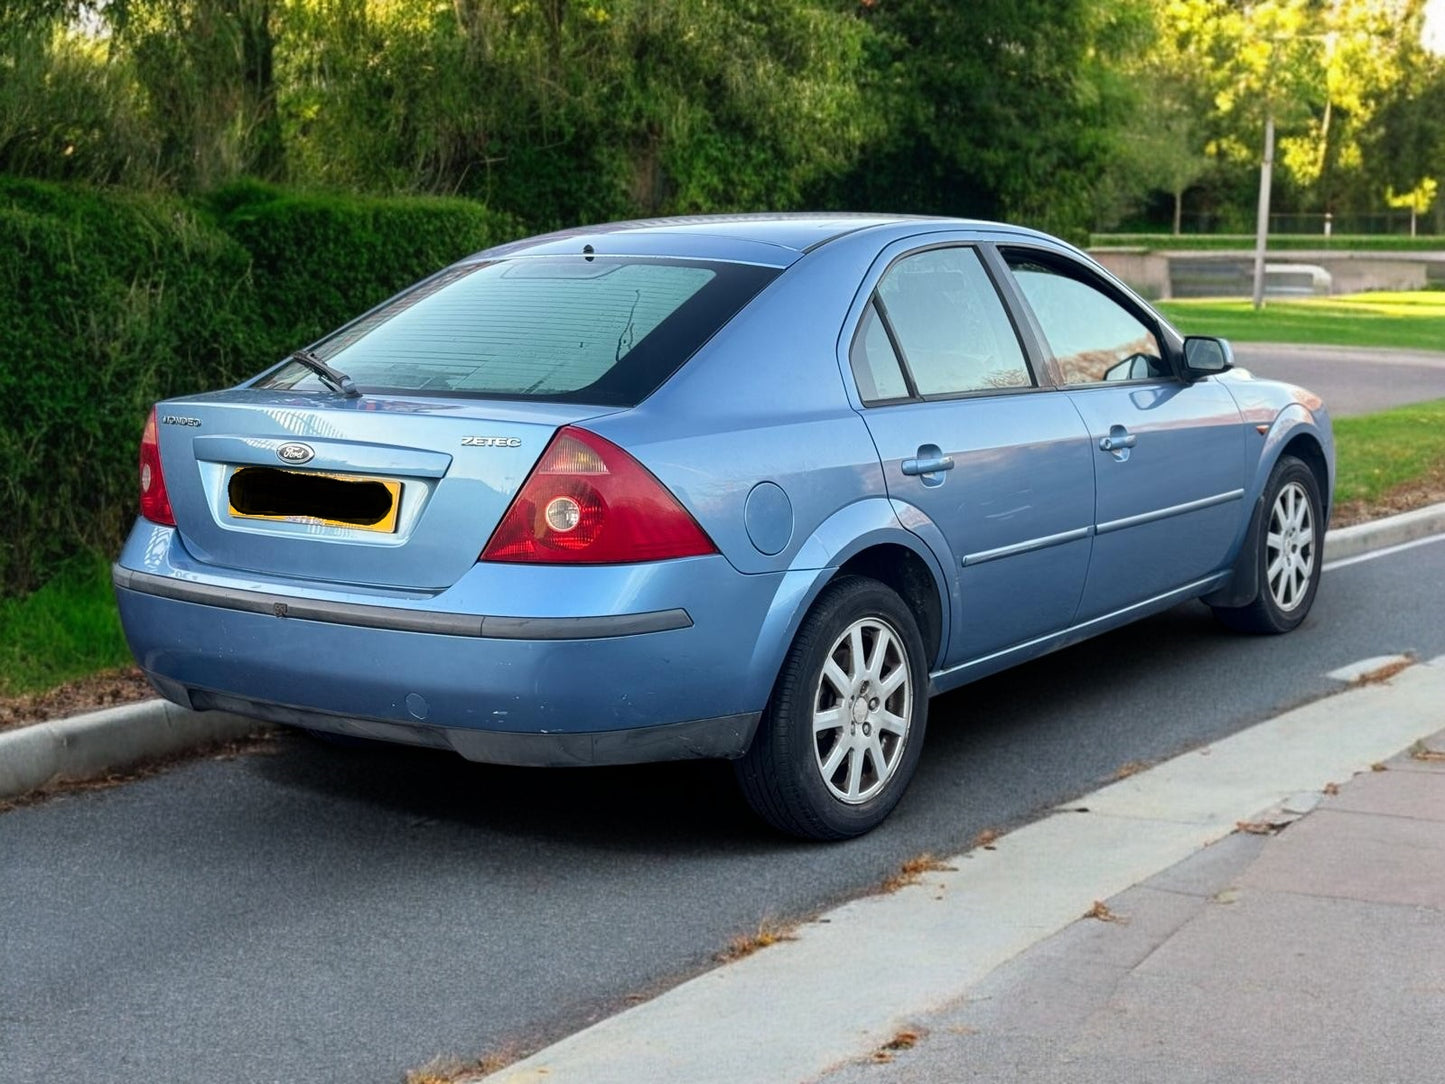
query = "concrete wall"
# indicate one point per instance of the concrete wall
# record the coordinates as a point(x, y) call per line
point(1163, 275)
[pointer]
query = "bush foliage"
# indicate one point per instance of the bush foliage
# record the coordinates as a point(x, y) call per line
point(111, 300)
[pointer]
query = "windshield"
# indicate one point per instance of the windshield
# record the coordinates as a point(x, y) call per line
point(604, 330)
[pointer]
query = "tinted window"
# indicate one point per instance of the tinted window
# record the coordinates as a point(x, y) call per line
point(950, 324)
point(875, 363)
point(1092, 336)
point(605, 330)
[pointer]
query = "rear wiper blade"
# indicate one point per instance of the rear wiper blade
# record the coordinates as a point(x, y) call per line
point(335, 379)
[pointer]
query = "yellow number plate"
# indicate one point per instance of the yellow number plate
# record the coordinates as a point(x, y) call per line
point(292, 496)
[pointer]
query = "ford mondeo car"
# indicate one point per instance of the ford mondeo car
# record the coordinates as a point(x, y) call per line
point(743, 487)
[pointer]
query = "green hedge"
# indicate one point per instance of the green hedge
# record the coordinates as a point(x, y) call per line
point(320, 260)
point(110, 301)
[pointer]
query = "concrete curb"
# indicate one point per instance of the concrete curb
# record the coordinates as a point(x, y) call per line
point(98, 743)
point(1377, 534)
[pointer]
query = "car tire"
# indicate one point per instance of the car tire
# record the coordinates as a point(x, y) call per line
point(1289, 554)
point(816, 780)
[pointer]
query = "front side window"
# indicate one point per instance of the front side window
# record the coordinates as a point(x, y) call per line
point(1093, 337)
point(603, 330)
point(950, 324)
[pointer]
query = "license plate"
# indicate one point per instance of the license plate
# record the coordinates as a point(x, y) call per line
point(356, 502)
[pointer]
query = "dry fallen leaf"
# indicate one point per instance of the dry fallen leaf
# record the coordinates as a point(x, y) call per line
point(1101, 911)
point(904, 1040)
point(1261, 828)
point(1384, 673)
point(913, 870)
point(768, 933)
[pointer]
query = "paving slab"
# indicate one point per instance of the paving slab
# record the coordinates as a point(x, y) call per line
point(1358, 856)
point(1392, 793)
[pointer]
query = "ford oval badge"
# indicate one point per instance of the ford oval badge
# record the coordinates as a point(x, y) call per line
point(295, 453)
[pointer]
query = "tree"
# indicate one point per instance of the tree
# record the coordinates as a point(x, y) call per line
point(1417, 201)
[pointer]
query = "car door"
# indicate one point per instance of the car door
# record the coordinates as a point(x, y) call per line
point(967, 438)
point(1168, 455)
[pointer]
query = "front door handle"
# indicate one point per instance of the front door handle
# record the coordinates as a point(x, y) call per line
point(1118, 439)
point(931, 465)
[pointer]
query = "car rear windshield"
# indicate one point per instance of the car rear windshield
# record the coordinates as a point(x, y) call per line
point(598, 329)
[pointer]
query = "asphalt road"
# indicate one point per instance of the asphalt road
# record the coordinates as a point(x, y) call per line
point(326, 914)
point(1351, 380)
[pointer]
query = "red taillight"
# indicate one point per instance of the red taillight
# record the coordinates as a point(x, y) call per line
point(589, 502)
point(155, 503)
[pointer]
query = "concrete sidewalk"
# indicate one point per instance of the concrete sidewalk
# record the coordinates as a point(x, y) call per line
point(1315, 955)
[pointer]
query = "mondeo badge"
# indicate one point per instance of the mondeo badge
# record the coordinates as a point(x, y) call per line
point(294, 453)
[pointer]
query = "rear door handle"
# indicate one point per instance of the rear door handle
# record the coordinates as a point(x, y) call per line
point(931, 465)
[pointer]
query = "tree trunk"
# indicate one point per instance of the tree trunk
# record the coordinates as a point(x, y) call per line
point(1178, 210)
point(262, 151)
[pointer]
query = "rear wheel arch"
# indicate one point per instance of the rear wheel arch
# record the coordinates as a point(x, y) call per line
point(910, 577)
point(878, 548)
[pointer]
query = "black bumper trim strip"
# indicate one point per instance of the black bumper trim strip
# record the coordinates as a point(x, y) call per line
point(397, 618)
point(725, 737)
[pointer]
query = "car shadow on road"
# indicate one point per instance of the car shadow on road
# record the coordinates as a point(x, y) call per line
point(1020, 730)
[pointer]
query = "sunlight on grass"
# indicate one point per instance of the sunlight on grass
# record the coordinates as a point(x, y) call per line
point(67, 629)
point(1414, 320)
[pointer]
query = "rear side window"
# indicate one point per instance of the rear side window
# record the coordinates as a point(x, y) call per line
point(875, 363)
point(604, 330)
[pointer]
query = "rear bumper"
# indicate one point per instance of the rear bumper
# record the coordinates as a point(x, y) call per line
point(673, 671)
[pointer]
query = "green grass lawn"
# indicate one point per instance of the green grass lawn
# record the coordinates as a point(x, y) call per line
point(67, 629)
point(1415, 320)
point(1378, 453)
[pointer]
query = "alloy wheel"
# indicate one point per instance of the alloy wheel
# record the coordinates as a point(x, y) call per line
point(1290, 547)
point(861, 710)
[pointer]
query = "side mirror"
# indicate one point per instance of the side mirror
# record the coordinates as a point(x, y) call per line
point(1204, 355)
point(1134, 367)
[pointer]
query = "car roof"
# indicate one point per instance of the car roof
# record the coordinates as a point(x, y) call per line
point(775, 239)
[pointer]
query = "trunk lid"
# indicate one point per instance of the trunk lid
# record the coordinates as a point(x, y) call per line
point(398, 492)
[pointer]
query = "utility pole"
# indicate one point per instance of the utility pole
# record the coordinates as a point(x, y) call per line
point(1261, 229)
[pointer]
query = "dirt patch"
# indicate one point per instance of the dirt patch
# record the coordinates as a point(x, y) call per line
point(103, 690)
point(1424, 491)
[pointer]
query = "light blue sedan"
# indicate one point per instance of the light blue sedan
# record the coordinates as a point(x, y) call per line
point(746, 487)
